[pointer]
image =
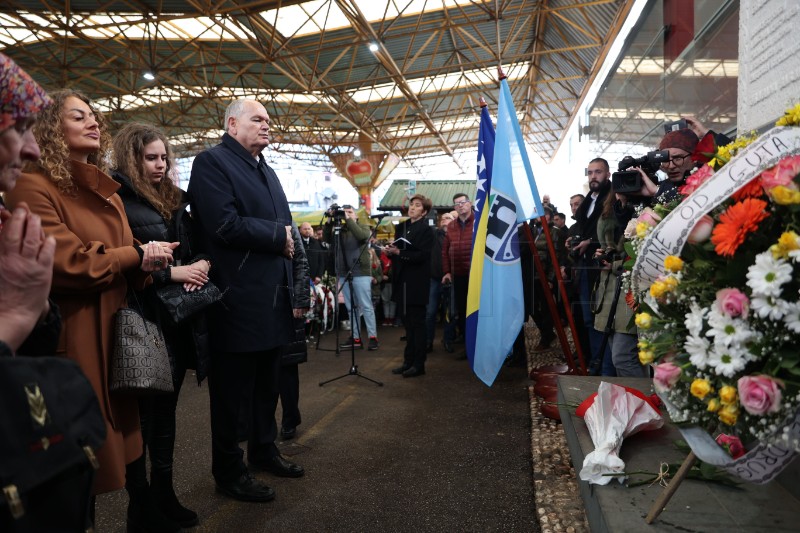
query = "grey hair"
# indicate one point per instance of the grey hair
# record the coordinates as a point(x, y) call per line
point(234, 110)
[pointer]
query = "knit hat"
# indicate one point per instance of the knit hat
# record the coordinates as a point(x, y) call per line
point(20, 96)
point(683, 139)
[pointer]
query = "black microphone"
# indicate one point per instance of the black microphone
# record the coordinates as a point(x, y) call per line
point(379, 217)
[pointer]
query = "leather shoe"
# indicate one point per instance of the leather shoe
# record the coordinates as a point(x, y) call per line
point(288, 433)
point(247, 489)
point(413, 372)
point(280, 467)
point(400, 369)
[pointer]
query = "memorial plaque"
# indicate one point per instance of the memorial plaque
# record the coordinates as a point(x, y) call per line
point(769, 61)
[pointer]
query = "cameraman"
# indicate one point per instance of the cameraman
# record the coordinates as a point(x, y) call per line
point(352, 238)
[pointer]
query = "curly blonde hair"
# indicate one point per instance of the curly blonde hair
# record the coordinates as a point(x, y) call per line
point(49, 133)
point(129, 143)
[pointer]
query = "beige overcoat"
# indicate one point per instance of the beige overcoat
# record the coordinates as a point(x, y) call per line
point(95, 259)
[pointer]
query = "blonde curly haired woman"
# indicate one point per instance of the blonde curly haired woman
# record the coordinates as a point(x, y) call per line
point(96, 259)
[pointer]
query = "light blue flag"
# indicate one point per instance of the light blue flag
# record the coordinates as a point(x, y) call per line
point(513, 199)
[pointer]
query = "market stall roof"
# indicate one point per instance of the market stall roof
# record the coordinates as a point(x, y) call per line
point(440, 192)
point(399, 76)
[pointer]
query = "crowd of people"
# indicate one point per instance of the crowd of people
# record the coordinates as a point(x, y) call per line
point(82, 238)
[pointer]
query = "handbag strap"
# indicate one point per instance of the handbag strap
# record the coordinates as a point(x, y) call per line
point(139, 309)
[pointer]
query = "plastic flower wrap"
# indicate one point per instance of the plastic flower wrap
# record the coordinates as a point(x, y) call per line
point(720, 318)
point(612, 414)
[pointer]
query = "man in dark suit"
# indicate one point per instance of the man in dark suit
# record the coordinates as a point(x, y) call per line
point(586, 270)
point(315, 252)
point(244, 225)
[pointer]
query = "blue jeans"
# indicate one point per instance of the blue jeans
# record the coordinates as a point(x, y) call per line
point(362, 287)
point(595, 337)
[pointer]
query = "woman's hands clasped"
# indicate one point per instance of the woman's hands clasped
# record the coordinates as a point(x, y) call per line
point(192, 276)
point(157, 255)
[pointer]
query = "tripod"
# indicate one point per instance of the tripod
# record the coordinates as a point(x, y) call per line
point(353, 315)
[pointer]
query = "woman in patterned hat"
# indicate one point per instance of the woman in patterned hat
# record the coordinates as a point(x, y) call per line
point(26, 256)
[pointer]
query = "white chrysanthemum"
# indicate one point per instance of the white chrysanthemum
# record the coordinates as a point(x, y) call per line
point(794, 255)
point(728, 360)
point(768, 307)
point(766, 276)
point(694, 319)
point(727, 330)
point(792, 317)
point(697, 347)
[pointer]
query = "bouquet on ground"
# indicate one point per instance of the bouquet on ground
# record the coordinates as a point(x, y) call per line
point(720, 321)
point(611, 414)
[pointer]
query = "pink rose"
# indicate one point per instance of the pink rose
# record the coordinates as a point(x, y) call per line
point(696, 179)
point(649, 217)
point(666, 376)
point(759, 394)
point(732, 444)
point(732, 302)
point(702, 230)
point(781, 174)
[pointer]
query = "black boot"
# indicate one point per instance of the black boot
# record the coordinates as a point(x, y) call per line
point(164, 496)
point(143, 513)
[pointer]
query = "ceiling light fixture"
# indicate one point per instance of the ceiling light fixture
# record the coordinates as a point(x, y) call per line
point(373, 47)
point(357, 152)
point(149, 76)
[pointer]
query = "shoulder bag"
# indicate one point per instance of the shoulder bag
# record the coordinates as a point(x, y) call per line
point(140, 363)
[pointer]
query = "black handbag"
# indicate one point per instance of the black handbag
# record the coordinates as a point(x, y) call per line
point(181, 304)
point(52, 425)
point(140, 362)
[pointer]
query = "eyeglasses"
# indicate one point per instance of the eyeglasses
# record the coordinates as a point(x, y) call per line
point(460, 203)
point(677, 160)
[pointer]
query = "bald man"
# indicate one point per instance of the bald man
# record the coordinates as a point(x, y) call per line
point(315, 252)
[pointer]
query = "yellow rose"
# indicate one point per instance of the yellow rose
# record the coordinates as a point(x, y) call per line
point(713, 405)
point(728, 395)
point(644, 320)
point(646, 357)
point(671, 282)
point(673, 263)
point(658, 288)
point(700, 387)
point(641, 230)
point(784, 195)
point(728, 414)
point(643, 344)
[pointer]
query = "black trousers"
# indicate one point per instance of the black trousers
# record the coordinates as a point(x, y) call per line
point(233, 375)
point(157, 415)
point(290, 396)
point(460, 288)
point(415, 353)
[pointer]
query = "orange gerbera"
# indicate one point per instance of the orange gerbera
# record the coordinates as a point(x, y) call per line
point(630, 300)
point(736, 223)
point(752, 190)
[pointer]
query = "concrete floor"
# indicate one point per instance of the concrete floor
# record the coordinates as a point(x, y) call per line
point(441, 452)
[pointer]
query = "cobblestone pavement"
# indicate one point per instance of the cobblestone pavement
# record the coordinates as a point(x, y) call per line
point(559, 506)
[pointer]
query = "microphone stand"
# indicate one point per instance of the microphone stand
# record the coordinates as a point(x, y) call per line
point(353, 315)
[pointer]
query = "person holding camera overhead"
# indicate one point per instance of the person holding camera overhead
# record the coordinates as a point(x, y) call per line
point(350, 249)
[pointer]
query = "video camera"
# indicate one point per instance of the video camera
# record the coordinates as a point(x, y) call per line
point(336, 213)
point(626, 181)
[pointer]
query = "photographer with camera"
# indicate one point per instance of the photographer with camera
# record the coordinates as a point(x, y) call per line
point(613, 316)
point(349, 249)
point(582, 249)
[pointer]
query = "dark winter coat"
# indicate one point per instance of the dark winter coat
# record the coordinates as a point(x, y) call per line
point(240, 213)
point(412, 266)
point(188, 343)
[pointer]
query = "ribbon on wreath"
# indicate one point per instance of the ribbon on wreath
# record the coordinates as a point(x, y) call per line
point(765, 461)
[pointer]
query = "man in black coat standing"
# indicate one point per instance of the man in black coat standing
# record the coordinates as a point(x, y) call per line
point(315, 252)
point(244, 224)
point(410, 253)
